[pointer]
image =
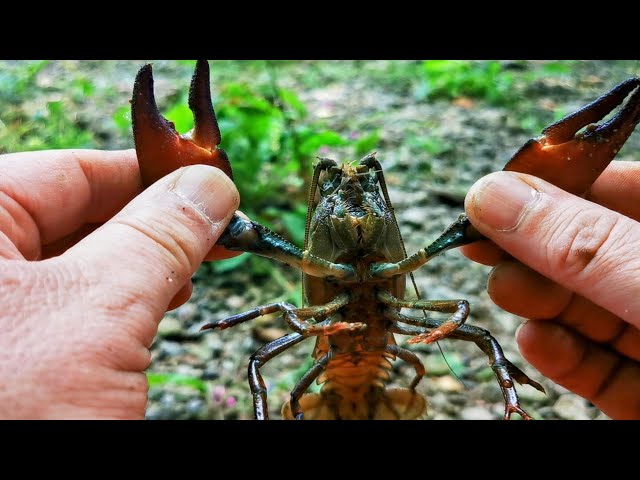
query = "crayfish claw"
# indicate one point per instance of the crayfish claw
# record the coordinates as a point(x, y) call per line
point(573, 161)
point(160, 148)
point(208, 326)
point(206, 132)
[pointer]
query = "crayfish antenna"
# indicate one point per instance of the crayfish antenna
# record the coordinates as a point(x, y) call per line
point(159, 147)
point(574, 161)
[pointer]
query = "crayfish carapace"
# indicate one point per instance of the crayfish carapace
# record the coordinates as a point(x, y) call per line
point(354, 262)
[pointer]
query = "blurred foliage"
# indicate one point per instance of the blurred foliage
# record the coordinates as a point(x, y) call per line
point(498, 83)
point(158, 380)
point(48, 126)
point(267, 131)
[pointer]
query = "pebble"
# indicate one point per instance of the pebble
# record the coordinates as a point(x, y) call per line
point(571, 407)
point(476, 413)
point(200, 351)
point(170, 327)
point(167, 349)
point(196, 409)
point(412, 216)
point(447, 384)
point(156, 412)
point(528, 394)
point(211, 372)
point(188, 313)
point(235, 302)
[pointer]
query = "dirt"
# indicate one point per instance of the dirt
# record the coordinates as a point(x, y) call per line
point(472, 137)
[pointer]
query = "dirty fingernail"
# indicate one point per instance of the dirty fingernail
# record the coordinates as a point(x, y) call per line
point(209, 190)
point(500, 200)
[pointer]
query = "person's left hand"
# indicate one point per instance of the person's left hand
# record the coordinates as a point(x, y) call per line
point(87, 272)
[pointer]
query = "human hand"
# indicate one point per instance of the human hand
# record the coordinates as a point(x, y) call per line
point(579, 280)
point(87, 272)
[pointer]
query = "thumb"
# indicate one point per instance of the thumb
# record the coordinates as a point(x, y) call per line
point(148, 251)
point(583, 246)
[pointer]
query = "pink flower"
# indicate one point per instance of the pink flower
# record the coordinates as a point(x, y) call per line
point(231, 402)
point(218, 393)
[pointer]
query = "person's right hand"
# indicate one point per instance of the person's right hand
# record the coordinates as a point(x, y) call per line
point(573, 269)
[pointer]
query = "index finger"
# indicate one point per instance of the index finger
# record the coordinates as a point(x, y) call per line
point(47, 195)
point(584, 247)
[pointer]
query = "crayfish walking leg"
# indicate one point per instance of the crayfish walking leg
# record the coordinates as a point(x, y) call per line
point(505, 371)
point(410, 358)
point(258, 359)
point(305, 382)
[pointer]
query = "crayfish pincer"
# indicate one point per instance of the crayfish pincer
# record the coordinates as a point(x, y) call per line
point(354, 261)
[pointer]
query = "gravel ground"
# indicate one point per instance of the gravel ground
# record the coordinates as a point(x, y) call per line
point(203, 376)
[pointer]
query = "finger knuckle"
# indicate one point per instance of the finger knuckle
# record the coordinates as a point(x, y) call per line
point(585, 243)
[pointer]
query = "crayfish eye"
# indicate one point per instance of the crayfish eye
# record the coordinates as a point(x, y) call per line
point(331, 180)
point(368, 181)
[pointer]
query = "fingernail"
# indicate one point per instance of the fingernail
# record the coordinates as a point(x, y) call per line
point(501, 200)
point(209, 190)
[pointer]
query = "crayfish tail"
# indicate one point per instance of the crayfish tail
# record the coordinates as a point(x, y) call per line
point(391, 404)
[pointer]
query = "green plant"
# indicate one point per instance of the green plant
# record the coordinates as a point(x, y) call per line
point(47, 126)
point(454, 78)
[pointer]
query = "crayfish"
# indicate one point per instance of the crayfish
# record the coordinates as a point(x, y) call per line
point(354, 261)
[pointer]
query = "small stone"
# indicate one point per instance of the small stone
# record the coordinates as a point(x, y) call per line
point(476, 413)
point(210, 372)
point(268, 334)
point(170, 327)
point(187, 313)
point(235, 302)
point(528, 394)
point(412, 216)
point(447, 384)
point(214, 343)
point(169, 349)
point(441, 416)
point(156, 412)
point(196, 408)
point(200, 350)
point(601, 416)
point(571, 407)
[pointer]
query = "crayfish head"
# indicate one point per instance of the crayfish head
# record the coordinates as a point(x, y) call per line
point(352, 209)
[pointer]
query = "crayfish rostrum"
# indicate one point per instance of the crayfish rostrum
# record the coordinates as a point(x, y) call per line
point(354, 261)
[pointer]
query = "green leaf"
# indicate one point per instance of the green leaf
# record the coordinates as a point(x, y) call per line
point(295, 223)
point(162, 379)
point(367, 144)
point(291, 100)
point(181, 116)
point(122, 118)
point(556, 68)
point(222, 266)
point(326, 138)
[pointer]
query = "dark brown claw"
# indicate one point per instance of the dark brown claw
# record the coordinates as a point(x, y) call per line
point(573, 162)
point(160, 148)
